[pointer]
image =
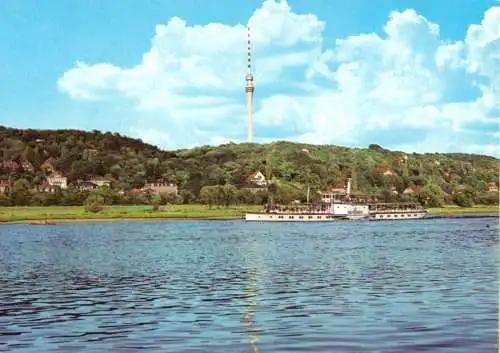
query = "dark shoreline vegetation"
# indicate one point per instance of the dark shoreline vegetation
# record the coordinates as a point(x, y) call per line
point(217, 176)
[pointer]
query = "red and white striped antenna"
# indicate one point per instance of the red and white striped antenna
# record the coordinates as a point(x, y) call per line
point(249, 89)
point(249, 64)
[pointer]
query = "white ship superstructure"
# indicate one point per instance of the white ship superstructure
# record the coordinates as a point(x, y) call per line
point(334, 208)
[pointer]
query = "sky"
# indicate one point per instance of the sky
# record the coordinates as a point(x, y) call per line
point(414, 76)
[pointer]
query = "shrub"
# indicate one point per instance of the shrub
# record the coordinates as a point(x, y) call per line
point(94, 203)
point(155, 202)
point(463, 201)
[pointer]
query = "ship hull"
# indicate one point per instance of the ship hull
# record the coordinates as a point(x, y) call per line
point(289, 217)
point(398, 216)
point(315, 217)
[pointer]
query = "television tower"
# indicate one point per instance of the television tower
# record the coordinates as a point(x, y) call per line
point(249, 88)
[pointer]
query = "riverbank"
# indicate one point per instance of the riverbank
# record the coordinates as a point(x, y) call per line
point(111, 213)
point(179, 212)
point(455, 210)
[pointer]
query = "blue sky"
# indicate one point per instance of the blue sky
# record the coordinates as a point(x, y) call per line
point(409, 75)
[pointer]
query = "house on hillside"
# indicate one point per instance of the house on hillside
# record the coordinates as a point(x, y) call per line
point(101, 181)
point(27, 167)
point(13, 166)
point(257, 178)
point(83, 185)
point(412, 190)
point(492, 187)
point(255, 182)
point(57, 180)
point(49, 165)
point(5, 185)
point(46, 187)
point(161, 188)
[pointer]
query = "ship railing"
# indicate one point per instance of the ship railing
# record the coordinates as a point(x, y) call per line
point(398, 210)
point(299, 211)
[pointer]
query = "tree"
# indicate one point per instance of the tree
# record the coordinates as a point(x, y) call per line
point(291, 167)
point(5, 200)
point(462, 200)
point(272, 188)
point(229, 194)
point(208, 195)
point(431, 195)
point(94, 203)
point(155, 202)
point(20, 193)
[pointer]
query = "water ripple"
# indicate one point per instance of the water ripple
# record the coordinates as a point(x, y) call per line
point(416, 286)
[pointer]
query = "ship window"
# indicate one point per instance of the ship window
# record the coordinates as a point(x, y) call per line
point(301, 217)
point(290, 217)
point(319, 217)
point(310, 217)
point(280, 217)
point(415, 215)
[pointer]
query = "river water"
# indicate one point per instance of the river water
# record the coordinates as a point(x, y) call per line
point(231, 286)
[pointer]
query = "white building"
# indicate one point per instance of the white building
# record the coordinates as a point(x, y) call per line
point(58, 180)
point(257, 178)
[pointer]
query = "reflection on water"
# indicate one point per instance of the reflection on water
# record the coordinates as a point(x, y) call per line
point(248, 317)
point(429, 285)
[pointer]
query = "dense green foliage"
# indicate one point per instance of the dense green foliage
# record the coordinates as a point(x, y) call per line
point(94, 203)
point(213, 175)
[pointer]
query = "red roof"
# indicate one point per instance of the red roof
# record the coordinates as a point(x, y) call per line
point(12, 165)
point(49, 163)
point(6, 183)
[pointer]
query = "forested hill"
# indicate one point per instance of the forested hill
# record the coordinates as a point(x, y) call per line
point(130, 163)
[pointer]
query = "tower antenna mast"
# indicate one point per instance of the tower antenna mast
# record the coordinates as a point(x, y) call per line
point(249, 89)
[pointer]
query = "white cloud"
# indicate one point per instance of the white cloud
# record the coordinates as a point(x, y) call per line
point(87, 82)
point(363, 85)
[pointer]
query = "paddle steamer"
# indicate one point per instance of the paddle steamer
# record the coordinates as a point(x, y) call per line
point(333, 207)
